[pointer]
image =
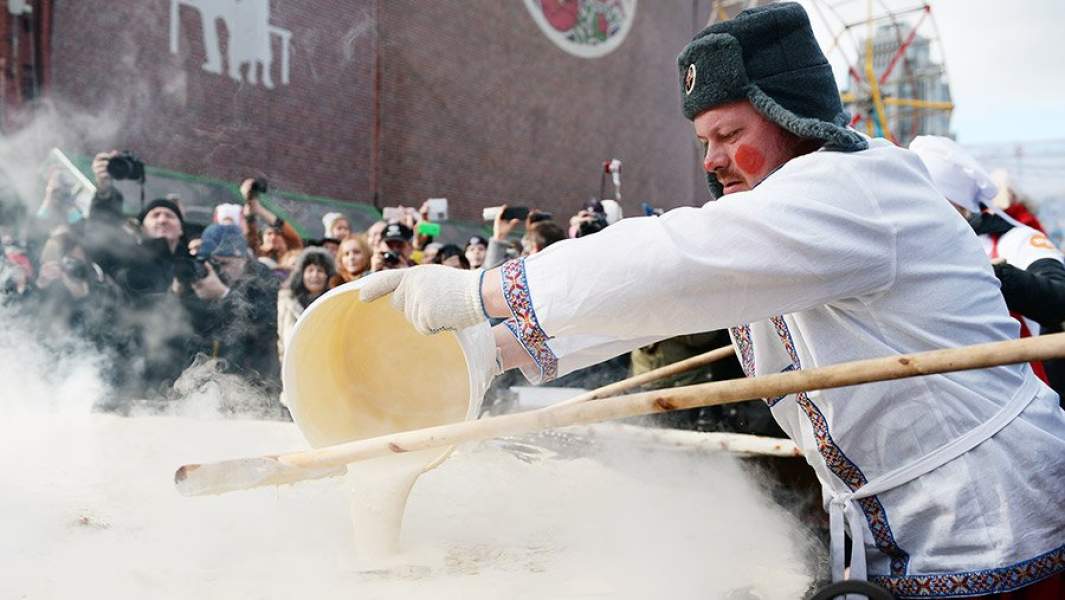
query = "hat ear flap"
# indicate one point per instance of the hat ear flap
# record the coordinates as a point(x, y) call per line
point(711, 73)
point(836, 137)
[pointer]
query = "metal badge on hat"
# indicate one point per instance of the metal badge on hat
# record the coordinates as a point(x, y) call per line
point(689, 80)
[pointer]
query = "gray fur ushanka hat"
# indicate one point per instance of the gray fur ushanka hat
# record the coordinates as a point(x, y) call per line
point(769, 56)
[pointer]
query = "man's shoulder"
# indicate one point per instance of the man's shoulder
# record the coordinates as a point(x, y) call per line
point(878, 152)
point(882, 169)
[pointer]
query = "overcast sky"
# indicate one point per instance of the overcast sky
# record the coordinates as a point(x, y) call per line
point(1006, 61)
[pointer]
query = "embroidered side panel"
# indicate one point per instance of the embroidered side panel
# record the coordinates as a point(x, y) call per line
point(524, 324)
point(975, 583)
point(843, 467)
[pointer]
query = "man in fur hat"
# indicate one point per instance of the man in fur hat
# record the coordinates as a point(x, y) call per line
point(822, 247)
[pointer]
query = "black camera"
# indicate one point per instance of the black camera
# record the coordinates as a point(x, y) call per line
point(259, 185)
point(75, 268)
point(391, 259)
point(190, 270)
point(125, 166)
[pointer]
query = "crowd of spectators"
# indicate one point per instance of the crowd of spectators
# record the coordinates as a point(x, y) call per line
point(155, 294)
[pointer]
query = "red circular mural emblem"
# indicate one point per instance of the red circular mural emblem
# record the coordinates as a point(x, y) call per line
point(585, 28)
point(561, 14)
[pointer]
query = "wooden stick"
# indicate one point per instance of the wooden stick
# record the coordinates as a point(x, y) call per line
point(240, 474)
point(688, 364)
point(738, 444)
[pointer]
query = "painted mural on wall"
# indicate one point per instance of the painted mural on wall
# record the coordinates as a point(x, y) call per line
point(249, 50)
point(584, 28)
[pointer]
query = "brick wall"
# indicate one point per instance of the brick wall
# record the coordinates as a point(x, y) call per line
point(475, 103)
point(480, 106)
point(311, 136)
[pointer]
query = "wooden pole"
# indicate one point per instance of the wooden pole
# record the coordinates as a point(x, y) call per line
point(214, 478)
point(688, 364)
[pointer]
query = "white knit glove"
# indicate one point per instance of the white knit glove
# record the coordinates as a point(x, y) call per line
point(432, 297)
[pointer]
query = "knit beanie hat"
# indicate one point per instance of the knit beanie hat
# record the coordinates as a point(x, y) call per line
point(162, 203)
point(955, 173)
point(769, 56)
point(223, 240)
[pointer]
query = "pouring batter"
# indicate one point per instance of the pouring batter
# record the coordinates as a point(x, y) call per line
point(822, 246)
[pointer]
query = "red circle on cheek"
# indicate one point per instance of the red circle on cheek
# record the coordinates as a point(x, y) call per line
point(749, 159)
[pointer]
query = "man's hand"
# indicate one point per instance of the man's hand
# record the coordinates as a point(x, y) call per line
point(210, 287)
point(501, 228)
point(434, 298)
point(99, 169)
point(51, 192)
point(52, 271)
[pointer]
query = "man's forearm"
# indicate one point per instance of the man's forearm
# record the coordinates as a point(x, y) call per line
point(511, 353)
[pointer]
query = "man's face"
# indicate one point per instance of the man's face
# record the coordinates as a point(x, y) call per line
point(161, 222)
point(379, 262)
point(231, 266)
point(742, 147)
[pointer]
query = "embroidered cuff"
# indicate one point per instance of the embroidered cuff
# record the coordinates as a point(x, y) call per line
point(524, 325)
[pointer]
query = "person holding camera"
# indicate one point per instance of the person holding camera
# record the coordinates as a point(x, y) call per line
point(543, 230)
point(56, 210)
point(107, 201)
point(139, 256)
point(75, 296)
point(395, 248)
point(499, 246)
point(278, 237)
point(232, 302)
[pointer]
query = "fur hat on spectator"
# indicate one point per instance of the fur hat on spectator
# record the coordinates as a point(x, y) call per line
point(769, 56)
point(232, 212)
point(223, 240)
point(162, 203)
point(309, 256)
point(328, 219)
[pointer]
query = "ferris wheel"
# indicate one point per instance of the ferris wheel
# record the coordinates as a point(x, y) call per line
point(888, 61)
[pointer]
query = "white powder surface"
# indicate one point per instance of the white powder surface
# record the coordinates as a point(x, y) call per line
point(88, 510)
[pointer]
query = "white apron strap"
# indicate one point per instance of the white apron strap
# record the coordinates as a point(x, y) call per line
point(844, 510)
